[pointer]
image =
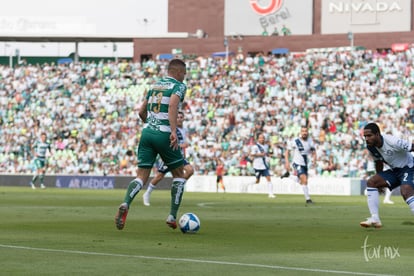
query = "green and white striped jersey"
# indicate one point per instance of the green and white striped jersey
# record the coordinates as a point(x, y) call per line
point(158, 98)
point(41, 148)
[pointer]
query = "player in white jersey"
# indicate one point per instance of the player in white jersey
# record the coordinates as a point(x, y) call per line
point(260, 153)
point(395, 152)
point(303, 148)
point(163, 169)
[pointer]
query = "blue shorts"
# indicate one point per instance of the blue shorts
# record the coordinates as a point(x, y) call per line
point(259, 173)
point(299, 169)
point(162, 168)
point(398, 176)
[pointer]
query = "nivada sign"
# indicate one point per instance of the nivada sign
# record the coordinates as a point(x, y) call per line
point(345, 7)
point(365, 16)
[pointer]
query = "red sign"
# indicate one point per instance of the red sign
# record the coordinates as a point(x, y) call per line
point(399, 47)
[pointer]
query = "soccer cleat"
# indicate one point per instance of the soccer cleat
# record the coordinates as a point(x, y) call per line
point(42, 186)
point(388, 201)
point(121, 215)
point(309, 201)
point(171, 222)
point(146, 199)
point(33, 186)
point(272, 196)
point(286, 174)
point(370, 222)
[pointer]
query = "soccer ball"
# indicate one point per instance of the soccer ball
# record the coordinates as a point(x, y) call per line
point(189, 223)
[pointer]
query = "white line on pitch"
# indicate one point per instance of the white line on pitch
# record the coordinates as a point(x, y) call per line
point(276, 267)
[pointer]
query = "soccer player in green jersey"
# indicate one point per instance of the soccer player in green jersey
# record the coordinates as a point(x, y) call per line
point(163, 169)
point(159, 136)
point(40, 148)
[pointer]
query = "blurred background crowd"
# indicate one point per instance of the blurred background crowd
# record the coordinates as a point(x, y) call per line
point(90, 110)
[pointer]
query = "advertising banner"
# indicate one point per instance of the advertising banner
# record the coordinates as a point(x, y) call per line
point(85, 182)
point(91, 18)
point(268, 17)
point(365, 16)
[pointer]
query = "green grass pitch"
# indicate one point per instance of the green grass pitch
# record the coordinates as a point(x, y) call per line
point(72, 232)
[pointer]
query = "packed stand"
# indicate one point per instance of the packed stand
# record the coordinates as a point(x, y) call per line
point(90, 110)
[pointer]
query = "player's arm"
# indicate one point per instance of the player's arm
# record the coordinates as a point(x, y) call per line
point(256, 152)
point(172, 117)
point(143, 111)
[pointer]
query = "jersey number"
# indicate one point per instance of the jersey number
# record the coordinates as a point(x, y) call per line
point(156, 98)
point(405, 177)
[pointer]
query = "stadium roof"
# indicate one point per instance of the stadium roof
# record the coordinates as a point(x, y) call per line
point(64, 39)
point(108, 38)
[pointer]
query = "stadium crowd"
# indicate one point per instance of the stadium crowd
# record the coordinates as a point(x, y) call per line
point(90, 110)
